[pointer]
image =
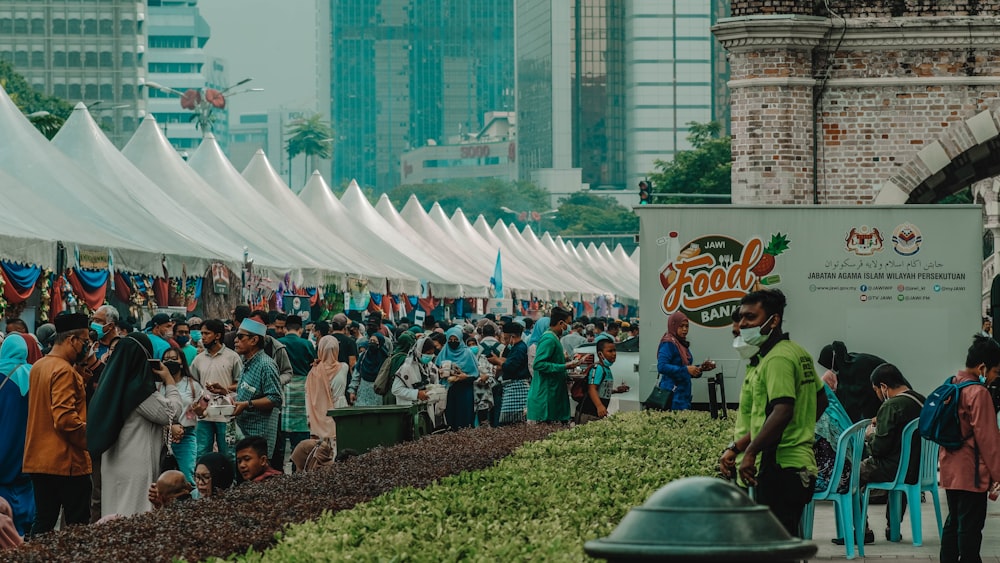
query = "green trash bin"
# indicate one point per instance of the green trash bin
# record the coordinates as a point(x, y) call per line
point(364, 428)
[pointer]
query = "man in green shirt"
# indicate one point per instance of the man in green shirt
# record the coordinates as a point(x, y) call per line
point(785, 398)
point(548, 397)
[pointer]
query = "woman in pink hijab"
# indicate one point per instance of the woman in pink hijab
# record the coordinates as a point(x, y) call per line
point(673, 361)
point(9, 539)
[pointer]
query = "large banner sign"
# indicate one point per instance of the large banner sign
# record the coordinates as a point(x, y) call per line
point(873, 277)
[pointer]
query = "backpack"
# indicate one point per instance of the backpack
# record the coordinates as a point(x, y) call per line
point(383, 381)
point(939, 417)
point(578, 391)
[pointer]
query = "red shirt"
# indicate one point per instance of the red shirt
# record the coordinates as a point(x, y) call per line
point(979, 422)
point(267, 474)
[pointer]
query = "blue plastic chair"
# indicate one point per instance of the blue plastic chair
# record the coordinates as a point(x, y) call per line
point(847, 505)
point(928, 481)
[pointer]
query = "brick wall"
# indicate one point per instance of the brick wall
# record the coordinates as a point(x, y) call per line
point(892, 90)
point(867, 8)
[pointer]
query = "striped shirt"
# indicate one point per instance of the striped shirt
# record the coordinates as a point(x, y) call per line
point(260, 380)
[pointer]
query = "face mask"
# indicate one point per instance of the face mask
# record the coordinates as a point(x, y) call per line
point(195, 336)
point(745, 350)
point(453, 345)
point(168, 335)
point(753, 336)
point(426, 358)
point(475, 349)
point(173, 367)
point(606, 362)
point(182, 340)
point(99, 329)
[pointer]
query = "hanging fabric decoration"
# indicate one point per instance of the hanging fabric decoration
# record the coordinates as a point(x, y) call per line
point(56, 303)
point(161, 292)
point(45, 302)
point(429, 304)
point(111, 268)
point(91, 286)
point(19, 281)
point(122, 288)
point(313, 294)
point(460, 308)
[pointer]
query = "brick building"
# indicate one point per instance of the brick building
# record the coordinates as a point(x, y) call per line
point(865, 101)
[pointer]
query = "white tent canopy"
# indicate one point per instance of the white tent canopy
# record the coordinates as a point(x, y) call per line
point(150, 152)
point(318, 198)
point(166, 226)
point(510, 257)
point(320, 231)
point(446, 261)
point(69, 202)
point(418, 253)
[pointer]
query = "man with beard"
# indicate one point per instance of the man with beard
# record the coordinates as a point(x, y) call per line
point(217, 369)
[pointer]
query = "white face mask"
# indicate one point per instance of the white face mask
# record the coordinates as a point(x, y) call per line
point(753, 336)
point(745, 350)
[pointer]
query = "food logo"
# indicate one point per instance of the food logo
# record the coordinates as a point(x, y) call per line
point(906, 239)
point(709, 276)
point(864, 240)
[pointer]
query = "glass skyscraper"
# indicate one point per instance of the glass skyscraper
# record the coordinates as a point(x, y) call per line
point(410, 73)
point(609, 86)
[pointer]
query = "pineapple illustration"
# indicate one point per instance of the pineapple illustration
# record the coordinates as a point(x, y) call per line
point(777, 245)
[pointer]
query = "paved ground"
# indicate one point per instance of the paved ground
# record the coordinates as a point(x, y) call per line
point(904, 551)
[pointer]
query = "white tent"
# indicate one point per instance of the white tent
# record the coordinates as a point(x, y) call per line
point(316, 195)
point(150, 152)
point(510, 257)
point(51, 191)
point(635, 256)
point(332, 236)
point(31, 228)
point(514, 271)
point(422, 256)
point(628, 283)
point(446, 234)
point(250, 207)
point(166, 225)
point(446, 261)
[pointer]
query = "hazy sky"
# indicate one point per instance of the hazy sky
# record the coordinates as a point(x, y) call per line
point(273, 41)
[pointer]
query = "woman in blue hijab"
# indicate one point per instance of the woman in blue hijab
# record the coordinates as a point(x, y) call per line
point(460, 411)
point(541, 326)
point(15, 486)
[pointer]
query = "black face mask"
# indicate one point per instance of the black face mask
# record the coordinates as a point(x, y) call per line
point(173, 367)
point(453, 345)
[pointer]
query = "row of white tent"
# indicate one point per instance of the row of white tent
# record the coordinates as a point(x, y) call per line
point(153, 212)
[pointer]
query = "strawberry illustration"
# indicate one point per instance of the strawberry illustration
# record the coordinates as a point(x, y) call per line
point(777, 245)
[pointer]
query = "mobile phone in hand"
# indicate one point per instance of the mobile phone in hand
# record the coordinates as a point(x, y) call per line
point(154, 363)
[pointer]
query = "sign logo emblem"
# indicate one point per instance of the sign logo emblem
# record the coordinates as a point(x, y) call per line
point(864, 240)
point(906, 239)
point(707, 278)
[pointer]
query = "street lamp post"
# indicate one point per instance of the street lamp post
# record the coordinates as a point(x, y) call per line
point(204, 102)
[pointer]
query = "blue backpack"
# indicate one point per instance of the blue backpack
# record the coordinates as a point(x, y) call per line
point(939, 417)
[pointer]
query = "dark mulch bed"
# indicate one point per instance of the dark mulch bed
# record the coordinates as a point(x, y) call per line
point(250, 515)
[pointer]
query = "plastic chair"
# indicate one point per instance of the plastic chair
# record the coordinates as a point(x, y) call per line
point(847, 505)
point(928, 481)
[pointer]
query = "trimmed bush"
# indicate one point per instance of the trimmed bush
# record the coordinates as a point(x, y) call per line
point(540, 504)
point(250, 515)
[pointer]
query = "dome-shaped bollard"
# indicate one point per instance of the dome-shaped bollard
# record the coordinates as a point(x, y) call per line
point(700, 519)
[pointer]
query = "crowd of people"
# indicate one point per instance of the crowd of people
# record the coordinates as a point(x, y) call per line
point(790, 418)
point(99, 420)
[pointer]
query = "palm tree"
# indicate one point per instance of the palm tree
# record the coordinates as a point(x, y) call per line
point(311, 136)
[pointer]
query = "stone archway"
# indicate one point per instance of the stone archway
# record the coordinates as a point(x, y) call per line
point(968, 152)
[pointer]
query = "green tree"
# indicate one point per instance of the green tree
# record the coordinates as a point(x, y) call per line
point(311, 136)
point(46, 113)
point(485, 197)
point(585, 213)
point(705, 169)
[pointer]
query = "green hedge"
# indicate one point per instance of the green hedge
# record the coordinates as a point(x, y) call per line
point(540, 504)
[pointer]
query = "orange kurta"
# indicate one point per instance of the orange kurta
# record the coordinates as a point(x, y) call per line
point(56, 440)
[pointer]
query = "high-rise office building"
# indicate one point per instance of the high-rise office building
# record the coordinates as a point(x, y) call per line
point(81, 51)
point(676, 73)
point(408, 73)
point(177, 60)
point(606, 87)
